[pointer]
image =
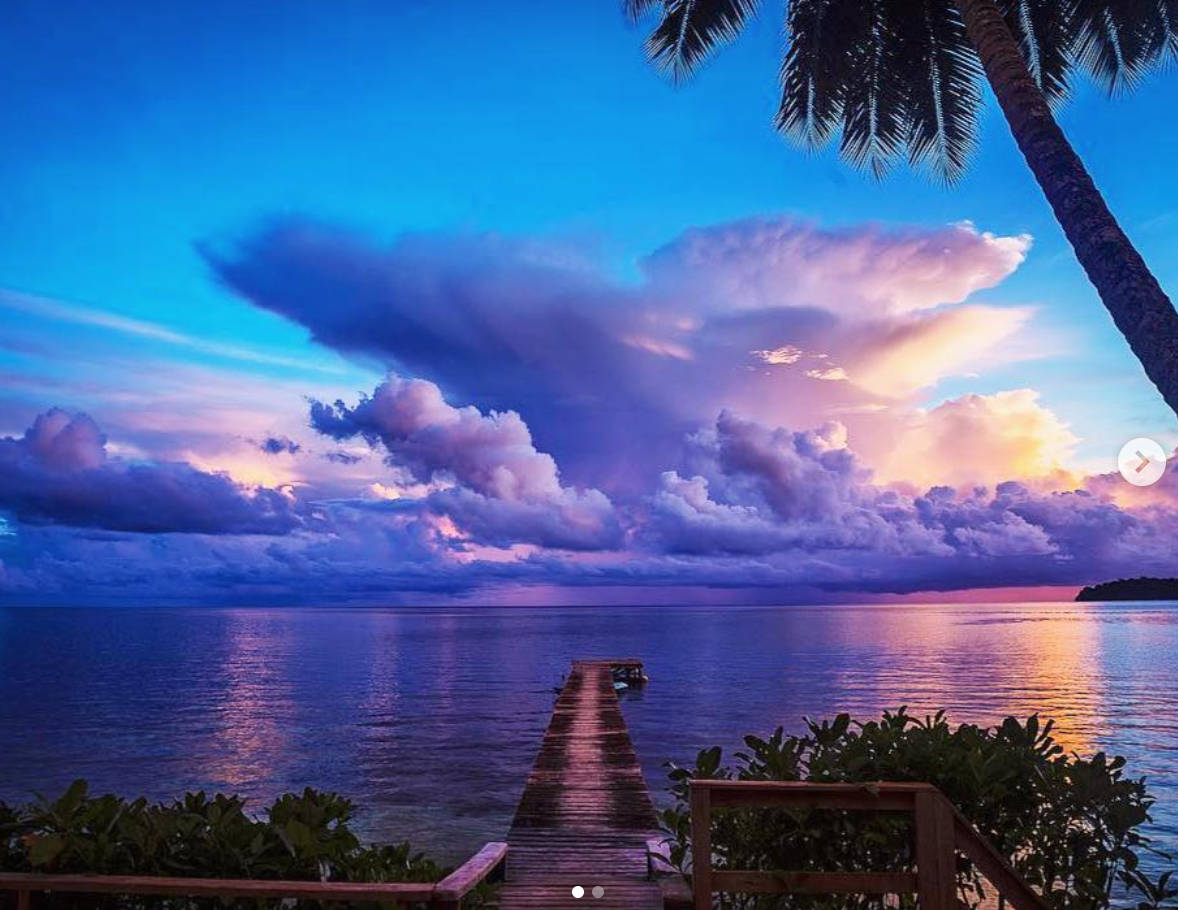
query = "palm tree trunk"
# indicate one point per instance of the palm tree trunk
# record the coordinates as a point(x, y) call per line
point(1137, 303)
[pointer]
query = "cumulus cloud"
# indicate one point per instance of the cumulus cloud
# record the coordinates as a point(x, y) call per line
point(778, 319)
point(59, 472)
point(752, 412)
point(792, 514)
point(983, 439)
point(487, 474)
point(765, 492)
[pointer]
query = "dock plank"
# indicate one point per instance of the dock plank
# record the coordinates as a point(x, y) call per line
point(586, 814)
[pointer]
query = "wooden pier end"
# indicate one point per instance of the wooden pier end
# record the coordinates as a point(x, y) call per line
point(586, 814)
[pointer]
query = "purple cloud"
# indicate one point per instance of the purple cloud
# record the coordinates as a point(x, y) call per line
point(279, 445)
point(611, 376)
point(484, 471)
point(781, 495)
point(713, 424)
point(343, 457)
point(59, 472)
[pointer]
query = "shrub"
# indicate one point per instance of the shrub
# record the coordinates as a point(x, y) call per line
point(1070, 826)
point(301, 836)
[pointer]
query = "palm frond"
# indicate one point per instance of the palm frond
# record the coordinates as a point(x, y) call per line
point(690, 30)
point(1167, 17)
point(1159, 22)
point(1042, 29)
point(874, 122)
point(896, 75)
point(635, 10)
point(1117, 41)
point(816, 69)
point(943, 75)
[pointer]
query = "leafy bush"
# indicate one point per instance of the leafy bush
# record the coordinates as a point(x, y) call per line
point(302, 836)
point(1069, 825)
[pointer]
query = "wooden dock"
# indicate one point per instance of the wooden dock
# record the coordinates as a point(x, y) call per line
point(585, 815)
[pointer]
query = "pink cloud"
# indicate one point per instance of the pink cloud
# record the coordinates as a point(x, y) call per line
point(750, 414)
point(779, 320)
point(858, 273)
point(491, 479)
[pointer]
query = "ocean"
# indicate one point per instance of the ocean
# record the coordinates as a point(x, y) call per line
point(429, 718)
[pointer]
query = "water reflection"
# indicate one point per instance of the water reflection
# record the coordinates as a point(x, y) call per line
point(254, 708)
point(430, 719)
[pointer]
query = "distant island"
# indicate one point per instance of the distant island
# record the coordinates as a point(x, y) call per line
point(1132, 589)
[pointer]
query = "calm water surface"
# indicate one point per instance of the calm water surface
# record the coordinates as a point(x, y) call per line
point(430, 718)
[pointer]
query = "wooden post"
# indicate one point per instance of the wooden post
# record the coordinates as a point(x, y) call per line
point(701, 846)
point(22, 900)
point(936, 867)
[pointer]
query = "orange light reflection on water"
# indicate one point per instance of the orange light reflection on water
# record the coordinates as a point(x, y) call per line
point(982, 664)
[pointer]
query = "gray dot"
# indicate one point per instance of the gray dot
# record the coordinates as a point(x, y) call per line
point(598, 891)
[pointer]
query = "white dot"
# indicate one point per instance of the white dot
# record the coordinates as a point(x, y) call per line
point(578, 892)
point(598, 891)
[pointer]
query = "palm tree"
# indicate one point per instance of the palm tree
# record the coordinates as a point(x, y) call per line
point(891, 77)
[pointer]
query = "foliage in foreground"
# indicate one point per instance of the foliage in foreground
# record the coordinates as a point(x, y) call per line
point(301, 836)
point(1070, 826)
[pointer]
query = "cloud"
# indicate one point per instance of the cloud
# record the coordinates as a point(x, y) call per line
point(765, 492)
point(781, 320)
point(487, 475)
point(768, 513)
point(912, 353)
point(752, 412)
point(279, 445)
point(59, 472)
point(341, 457)
point(59, 311)
point(859, 272)
point(983, 439)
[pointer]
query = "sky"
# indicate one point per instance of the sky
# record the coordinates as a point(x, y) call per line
point(383, 303)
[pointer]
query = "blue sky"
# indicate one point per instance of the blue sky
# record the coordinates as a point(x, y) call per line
point(137, 133)
point(140, 131)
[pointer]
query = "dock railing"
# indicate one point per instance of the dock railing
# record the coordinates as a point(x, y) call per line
point(940, 833)
point(446, 894)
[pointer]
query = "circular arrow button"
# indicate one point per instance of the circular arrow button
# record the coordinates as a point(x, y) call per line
point(1142, 461)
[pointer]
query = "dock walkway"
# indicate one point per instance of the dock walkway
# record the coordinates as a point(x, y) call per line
point(585, 815)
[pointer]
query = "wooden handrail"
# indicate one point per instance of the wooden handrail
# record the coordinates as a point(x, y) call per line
point(449, 892)
point(994, 866)
point(444, 895)
point(940, 830)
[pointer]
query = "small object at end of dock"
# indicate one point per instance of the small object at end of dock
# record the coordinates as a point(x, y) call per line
point(627, 670)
